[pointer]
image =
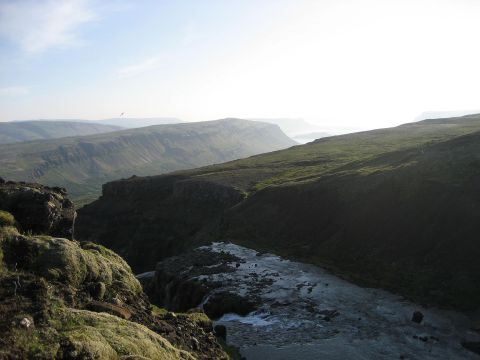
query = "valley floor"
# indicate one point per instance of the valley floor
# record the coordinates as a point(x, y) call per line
point(307, 313)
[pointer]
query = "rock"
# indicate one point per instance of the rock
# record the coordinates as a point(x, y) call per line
point(472, 346)
point(220, 331)
point(329, 314)
point(116, 310)
point(195, 343)
point(38, 209)
point(97, 290)
point(226, 302)
point(175, 285)
point(417, 317)
point(170, 315)
point(26, 323)
point(2, 181)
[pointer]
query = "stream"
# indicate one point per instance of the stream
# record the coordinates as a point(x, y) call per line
point(308, 313)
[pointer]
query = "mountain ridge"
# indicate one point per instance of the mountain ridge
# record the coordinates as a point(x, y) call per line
point(22, 131)
point(82, 164)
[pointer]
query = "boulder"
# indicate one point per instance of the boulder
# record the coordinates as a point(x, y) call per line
point(220, 331)
point(222, 303)
point(38, 209)
point(417, 317)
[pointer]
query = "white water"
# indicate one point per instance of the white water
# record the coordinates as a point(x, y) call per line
point(372, 324)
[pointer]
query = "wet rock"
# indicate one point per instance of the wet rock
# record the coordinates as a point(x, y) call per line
point(472, 346)
point(226, 302)
point(220, 331)
point(2, 181)
point(329, 314)
point(423, 338)
point(417, 317)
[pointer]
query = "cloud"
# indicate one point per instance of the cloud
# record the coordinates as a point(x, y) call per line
point(38, 25)
point(146, 65)
point(14, 91)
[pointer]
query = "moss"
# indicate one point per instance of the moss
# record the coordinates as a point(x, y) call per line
point(158, 311)
point(199, 318)
point(5, 233)
point(36, 344)
point(6, 219)
point(64, 260)
point(104, 336)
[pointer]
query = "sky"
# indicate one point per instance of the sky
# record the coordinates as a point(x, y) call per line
point(341, 64)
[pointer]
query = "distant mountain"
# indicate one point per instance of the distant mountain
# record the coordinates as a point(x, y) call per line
point(307, 137)
point(444, 114)
point(292, 127)
point(395, 208)
point(83, 164)
point(137, 122)
point(19, 131)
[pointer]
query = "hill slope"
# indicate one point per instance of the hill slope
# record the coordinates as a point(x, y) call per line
point(19, 131)
point(394, 208)
point(82, 164)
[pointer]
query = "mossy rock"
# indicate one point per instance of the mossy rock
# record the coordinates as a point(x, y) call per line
point(71, 263)
point(82, 334)
point(6, 219)
point(198, 317)
point(91, 335)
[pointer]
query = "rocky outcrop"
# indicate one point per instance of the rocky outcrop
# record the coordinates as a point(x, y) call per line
point(188, 281)
point(62, 299)
point(226, 302)
point(166, 216)
point(38, 209)
point(177, 283)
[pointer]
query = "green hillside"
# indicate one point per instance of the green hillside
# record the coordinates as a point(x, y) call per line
point(83, 164)
point(394, 208)
point(19, 131)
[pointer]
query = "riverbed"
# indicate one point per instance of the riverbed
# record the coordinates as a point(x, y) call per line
point(308, 313)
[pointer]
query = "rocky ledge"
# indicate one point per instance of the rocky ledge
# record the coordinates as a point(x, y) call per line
point(184, 282)
point(38, 209)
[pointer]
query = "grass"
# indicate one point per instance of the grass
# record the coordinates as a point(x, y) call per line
point(6, 219)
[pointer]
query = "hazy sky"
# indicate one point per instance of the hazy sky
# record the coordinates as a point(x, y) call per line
point(341, 63)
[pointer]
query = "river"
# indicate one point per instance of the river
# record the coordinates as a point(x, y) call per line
point(308, 313)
